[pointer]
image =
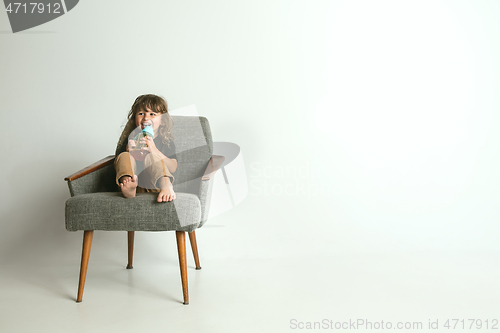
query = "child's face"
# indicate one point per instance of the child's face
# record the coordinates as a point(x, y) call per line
point(148, 118)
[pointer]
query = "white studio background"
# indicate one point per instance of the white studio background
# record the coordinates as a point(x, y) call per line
point(370, 126)
point(408, 121)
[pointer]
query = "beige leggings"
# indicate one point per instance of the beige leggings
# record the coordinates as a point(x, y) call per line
point(150, 171)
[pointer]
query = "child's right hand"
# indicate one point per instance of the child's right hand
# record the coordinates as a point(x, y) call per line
point(131, 145)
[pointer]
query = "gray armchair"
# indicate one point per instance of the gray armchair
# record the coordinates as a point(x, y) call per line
point(97, 204)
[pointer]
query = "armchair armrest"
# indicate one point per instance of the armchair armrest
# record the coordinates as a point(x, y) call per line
point(206, 185)
point(91, 168)
point(213, 165)
point(97, 177)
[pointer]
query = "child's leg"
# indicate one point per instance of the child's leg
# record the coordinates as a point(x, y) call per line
point(161, 177)
point(166, 190)
point(156, 167)
point(125, 174)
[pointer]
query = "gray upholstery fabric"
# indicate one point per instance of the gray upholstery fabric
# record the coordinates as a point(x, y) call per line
point(193, 141)
point(97, 204)
point(102, 180)
point(111, 211)
point(205, 196)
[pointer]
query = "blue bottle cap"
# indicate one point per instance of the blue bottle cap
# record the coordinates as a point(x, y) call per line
point(148, 130)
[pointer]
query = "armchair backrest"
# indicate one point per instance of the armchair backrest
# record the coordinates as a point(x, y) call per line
point(194, 147)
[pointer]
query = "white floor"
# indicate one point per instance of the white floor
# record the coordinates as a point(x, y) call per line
point(257, 276)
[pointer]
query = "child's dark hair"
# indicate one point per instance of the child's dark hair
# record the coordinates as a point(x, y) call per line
point(142, 103)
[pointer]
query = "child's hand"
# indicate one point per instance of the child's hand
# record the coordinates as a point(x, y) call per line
point(131, 145)
point(151, 147)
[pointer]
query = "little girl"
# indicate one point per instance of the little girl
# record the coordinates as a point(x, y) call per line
point(156, 161)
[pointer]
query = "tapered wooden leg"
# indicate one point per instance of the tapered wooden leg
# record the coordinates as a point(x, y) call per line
point(194, 247)
point(181, 248)
point(87, 243)
point(131, 235)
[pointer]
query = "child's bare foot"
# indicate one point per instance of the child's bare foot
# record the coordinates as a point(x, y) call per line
point(128, 186)
point(166, 194)
point(167, 190)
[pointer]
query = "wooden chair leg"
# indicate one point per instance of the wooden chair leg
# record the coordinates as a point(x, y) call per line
point(131, 235)
point(181, 248)
point(194, 247)
point(87, 243)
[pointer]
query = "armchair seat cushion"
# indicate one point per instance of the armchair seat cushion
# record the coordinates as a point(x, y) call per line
point(112, 212)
